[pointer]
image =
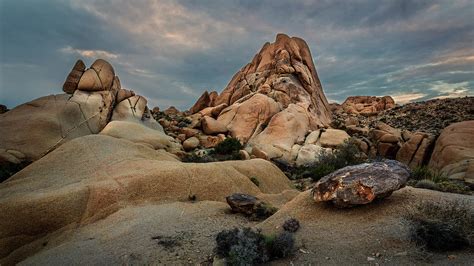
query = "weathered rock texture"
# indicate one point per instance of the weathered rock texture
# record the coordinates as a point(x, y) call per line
point(454, 152)
point(91, 177)
point(361, 184)
point(367, 105)
point(275, 100)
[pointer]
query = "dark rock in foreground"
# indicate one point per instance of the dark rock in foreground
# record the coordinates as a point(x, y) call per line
point(242, 203)
point(361, 184)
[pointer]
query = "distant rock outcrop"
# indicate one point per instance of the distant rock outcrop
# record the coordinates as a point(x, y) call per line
point(367, 105)
point(274, 101)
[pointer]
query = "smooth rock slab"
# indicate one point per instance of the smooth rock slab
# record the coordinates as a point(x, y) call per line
point(361, 184)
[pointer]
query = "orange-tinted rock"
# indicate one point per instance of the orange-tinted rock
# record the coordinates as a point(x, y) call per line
point(203, 102)
point(367, 105)
point(415, 151)
point(211, 126)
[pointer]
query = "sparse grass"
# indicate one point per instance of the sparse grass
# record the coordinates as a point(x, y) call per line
point(249, 247)
point(264, 210)
point(441, 226)
point(423, 177)
point(192, 157)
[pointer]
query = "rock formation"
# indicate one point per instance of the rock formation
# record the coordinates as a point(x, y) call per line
point(361, 184)
point(453, 154)
point(94, 98)
point(95, 176)
point(367, 105)
point(274, 101)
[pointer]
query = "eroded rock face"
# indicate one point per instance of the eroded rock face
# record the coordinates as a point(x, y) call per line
point(454, 152)
point(273, 101)
point(415, 151)
point(367, 105)
point(361, 184)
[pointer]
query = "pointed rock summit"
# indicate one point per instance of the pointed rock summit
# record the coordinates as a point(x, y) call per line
point(274, 101)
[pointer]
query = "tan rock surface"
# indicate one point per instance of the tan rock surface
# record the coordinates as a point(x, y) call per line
point(90, 81)
point(210, 126)
point(454, 151)
point(91, 177)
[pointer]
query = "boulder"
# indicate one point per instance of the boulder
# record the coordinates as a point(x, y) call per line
point(284, 130)
point(190, 143)
point(201, 103)
point(244, 155)
point(139, 133)
point(90, 81)
point(248, 118)
point(361, 184)
point(259, 153)
point(171, 111)
point(40, 126)
point(209, 141)
point(210, 126)
point(387, 139)
point(242, 203)
point(189, 132)
point(213, 111)
point(453, 153)
point(331, 138)
point(70, 85)
point(123, 94)
point(415, 151)
point(105, 72)
point(308, 154)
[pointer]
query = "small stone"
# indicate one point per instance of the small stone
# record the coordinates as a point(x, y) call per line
point(370, 258)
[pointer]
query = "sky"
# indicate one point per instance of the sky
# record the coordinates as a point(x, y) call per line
point(171, 51)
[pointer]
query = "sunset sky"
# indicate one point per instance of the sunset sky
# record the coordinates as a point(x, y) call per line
point(171, 51)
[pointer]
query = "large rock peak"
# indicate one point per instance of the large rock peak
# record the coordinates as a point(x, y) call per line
point(283, 70)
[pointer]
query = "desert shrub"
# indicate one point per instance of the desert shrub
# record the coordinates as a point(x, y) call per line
point(346, 154)
point(282, 246)
point(427, 184)
point(255, 181)
point(248, 247)
point(241, 246)
point(321, 170)
point(263, 211)
point(228, 146)
point(291, 225)
point(453, 187)
point(192, 157)
point(441, 226)
point(423, 172)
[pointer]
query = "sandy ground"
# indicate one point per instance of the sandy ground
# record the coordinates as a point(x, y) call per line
point(183, 233)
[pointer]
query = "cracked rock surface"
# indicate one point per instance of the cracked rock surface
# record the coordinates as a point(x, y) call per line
point(361, 184)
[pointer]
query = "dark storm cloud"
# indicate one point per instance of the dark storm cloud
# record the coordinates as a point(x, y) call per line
point(171, 51)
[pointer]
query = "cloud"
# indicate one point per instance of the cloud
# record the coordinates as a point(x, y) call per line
point(408, 97)
point(171, 51)
point(89, 53)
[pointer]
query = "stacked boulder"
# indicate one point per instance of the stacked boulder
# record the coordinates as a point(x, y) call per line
point(271, 105)
point(93, 99)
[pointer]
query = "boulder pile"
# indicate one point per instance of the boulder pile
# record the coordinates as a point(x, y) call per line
point(367, 105)
point(94, 103)
point(274, 105)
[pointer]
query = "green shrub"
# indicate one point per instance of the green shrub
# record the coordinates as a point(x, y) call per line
point(255, 181)
point(441, 226)
point(192, 157)
point(427, 184)
point(228, 146)
point(423, 172)
point(248, 247)
point(346, 154)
